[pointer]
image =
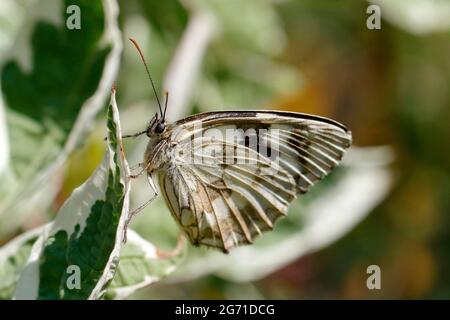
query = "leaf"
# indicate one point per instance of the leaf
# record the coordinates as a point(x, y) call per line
point(4, 143)
point(316, 220)
point(52, 97)
point(13, 257)
point(87, 233)
point(141, 264)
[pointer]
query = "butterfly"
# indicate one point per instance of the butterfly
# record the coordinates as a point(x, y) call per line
point(229, 176)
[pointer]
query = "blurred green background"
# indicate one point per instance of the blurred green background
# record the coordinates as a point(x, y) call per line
point(391, 87)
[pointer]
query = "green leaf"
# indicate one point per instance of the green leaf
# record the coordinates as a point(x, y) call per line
point(51, 101)
point(87, 233)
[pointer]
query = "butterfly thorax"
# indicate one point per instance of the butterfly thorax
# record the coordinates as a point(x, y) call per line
point(154, 153)
point(164, 151)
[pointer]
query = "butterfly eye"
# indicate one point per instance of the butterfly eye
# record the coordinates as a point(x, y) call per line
point(160, 127)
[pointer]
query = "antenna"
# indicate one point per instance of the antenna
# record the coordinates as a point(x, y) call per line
point(165, 106)
point(148, 72)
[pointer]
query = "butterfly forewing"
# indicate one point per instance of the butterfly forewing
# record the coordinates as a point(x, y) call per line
point(229, 176)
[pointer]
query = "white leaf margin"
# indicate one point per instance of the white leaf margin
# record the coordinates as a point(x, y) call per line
point(114, 258)
point(75, 211)
point(11, 247)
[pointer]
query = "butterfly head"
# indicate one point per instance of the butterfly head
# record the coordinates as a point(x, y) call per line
point(156, 126)
point(160, 127)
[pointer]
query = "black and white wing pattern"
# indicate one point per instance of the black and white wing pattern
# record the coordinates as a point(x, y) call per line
point(229, 176)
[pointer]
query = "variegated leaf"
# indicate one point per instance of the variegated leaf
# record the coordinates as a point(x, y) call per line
point(87, 234)
point(53, 83)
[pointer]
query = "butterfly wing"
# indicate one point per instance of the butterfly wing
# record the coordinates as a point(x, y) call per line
point(232, 175)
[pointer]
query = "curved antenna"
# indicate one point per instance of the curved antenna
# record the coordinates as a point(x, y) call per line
point(148, 72)
point(165, 106)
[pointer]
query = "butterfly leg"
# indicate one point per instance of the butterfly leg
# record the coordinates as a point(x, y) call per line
point(129, 135)
point(134, 135)
point(141, 207)
point(144, 169)
point(138, 165)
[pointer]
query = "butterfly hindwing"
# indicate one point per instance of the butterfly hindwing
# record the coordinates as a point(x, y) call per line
point(229, 176)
